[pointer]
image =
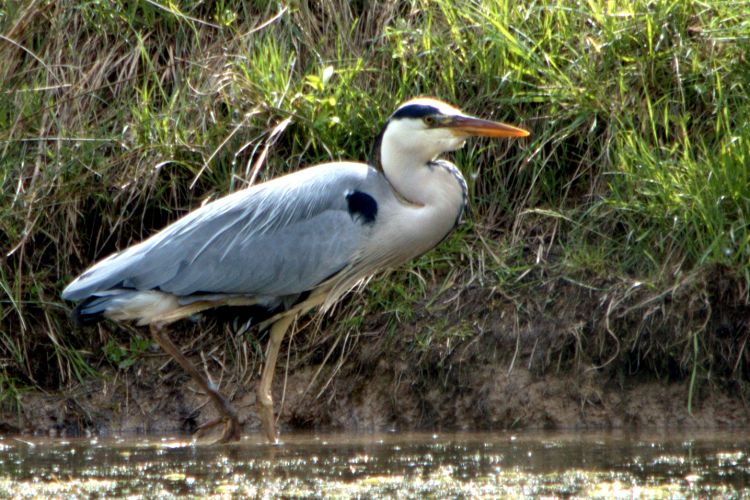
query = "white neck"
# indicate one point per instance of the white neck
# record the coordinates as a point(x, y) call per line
point(406, 165)
point(434, 192)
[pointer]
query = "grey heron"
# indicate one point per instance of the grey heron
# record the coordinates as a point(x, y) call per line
point(293, 243)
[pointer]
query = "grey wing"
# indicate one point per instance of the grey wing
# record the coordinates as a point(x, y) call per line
point(282, 237)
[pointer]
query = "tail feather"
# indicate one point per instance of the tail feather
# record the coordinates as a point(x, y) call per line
point(89, 312)
point(124, 304)
point(149, 306)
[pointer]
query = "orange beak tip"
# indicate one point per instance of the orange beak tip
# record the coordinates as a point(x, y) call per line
point(476, 126)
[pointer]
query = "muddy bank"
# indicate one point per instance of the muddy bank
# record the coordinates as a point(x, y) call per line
point(480, 397)
point(472, 358)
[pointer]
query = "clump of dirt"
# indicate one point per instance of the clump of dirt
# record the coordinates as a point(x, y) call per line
point(489, 361)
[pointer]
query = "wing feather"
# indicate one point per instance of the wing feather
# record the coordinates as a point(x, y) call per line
point(281, 237)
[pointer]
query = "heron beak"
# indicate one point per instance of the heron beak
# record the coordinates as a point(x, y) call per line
point(468, 125)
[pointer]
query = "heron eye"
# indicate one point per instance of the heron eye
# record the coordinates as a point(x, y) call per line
point(429, 121)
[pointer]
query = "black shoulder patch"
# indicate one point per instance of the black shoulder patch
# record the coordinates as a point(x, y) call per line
point(415, 111)
point(362, 205)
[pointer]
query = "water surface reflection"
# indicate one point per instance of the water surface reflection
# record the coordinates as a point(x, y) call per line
point(406, 465)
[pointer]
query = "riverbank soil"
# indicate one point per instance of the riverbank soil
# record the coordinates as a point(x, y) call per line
point(467, 359)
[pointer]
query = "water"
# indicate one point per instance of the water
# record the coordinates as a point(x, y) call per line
point(395, 465)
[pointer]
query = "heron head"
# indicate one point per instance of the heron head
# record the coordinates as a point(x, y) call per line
point(423, 128)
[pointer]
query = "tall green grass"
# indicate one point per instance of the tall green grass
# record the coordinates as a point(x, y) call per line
point(118, 117)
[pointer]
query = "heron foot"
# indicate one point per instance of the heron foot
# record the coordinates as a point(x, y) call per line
point(228, 416)
point(232, 429)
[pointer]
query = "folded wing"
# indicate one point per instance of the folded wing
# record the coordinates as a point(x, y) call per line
point(282, 237)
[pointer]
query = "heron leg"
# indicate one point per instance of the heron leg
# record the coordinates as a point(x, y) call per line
point(232, 428)
point(265, 398)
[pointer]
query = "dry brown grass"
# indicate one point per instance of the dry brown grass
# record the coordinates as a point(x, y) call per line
point(601, 244)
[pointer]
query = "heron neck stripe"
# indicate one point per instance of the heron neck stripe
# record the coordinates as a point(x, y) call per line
point(456, 173)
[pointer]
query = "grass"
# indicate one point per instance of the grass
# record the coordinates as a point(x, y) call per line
point(118, 117)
